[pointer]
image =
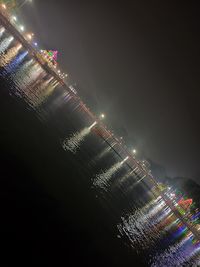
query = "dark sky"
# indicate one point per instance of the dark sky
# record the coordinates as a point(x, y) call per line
point(136, 61)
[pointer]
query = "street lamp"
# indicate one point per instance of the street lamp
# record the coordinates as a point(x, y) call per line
point(13, 19)
point(21, 27)
point(102, 116)
point(3, 6)
point(134, 152)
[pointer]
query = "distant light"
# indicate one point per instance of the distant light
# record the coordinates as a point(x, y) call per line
point(14, 18)
point(36, 44)
point(4, 6)
point(102, 116)
point(29, 36)
point(21, 27)
point(134, 151)
point(59, 71)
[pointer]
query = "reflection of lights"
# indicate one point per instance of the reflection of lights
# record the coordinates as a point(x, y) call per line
point(2, 30)
point(125, 160)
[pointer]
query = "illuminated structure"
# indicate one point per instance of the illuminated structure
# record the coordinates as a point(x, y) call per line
point(50, 56)
point(185, 204)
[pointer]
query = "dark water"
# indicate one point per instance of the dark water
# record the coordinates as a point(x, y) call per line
point(66, 196)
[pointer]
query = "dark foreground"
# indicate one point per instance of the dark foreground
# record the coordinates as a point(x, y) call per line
point(48, 215)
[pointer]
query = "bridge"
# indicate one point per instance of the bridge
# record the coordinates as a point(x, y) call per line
point(141, 172)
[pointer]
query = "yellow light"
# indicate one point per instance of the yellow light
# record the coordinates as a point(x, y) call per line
point(4, 6)
point(19, 46)
point(29, 36)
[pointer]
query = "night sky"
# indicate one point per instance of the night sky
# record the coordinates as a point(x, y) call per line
point(138, 63)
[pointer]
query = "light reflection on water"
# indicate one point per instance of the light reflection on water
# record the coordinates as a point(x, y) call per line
point(73, 142)
point(156, 226)
point(153, 229)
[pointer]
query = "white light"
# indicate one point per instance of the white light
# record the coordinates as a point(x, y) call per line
point(102, 116)
point(14, 18)
point(134, 151)
point(35, 44)
point(92, 125)
point(125, 160)
point(59, 71)
point(21, 27)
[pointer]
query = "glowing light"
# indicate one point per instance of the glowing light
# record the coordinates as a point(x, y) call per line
point(29, 36)
point(59, 71)
point(14, 18)
point(185, 204)
point(4, 6)
point(2, 30)
point(134, 151)
point(19, 46)
point(92, 125)
point(102, 116)
point(21, 27)
point(124, 160)
point(36, 44)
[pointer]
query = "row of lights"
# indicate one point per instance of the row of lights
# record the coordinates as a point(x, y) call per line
point(29, 36)
point(101, 117)
point(62, 75)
